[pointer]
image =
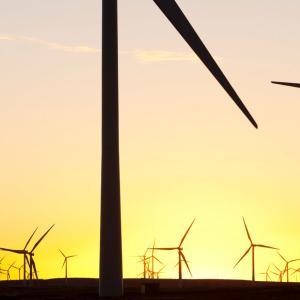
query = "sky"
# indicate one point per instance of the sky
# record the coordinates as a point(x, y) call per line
point(186, 151)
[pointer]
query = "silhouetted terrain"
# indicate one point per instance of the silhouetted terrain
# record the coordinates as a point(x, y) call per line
point(168, 289)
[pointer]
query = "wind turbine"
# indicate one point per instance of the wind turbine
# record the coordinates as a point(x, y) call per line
point(296, 271)
point(152, 258)
point(181, 256)
point(1, 260)
point(279, 274)
point(66, 262)
point(297, 85)
point(145, 261)
point(252, 247)
point(266, 274)
point(19, 270)
point(26, 253)
point(8, 270)
point(111, 282)
point(31, 254)
point(157, 273)
point(2, 271)
point(286, 268)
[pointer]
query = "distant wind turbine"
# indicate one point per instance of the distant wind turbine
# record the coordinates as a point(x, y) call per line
point(66, 262)
point(8, 271)
point(279, 274)
point(2, 271)
point(286, 268)
point(297, 85)
point(156, 274)
point(181, 256)
point(152, 258)
point(145, 261)
point(1, 260)
point(252, 247)
point(111, 281)
point(19, 270)
point(267, 276)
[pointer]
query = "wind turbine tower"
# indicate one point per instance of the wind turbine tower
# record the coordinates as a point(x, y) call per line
point(111, 281)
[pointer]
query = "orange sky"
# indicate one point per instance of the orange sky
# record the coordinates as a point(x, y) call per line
point(186, 150)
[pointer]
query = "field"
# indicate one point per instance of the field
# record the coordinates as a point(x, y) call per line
point(87, 289)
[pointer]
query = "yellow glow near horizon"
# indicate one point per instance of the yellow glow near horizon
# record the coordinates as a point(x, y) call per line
point(186, 151)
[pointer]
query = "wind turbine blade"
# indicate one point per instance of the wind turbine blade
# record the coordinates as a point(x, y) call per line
point(30, 238)
point(153, 247)
point(282, 257)
point(165, 248)
point(61, 253)
point(243, 256)
point(12, 250)
point(157, 259)
point(298, 270)
point(277, 268)
point(72, 256)
point(27, 260)
point(186, 263)
point(183, 238)
point(173, 12)
point(161, 269)
point(64, 262)
point(12, 265)
point(297, 85)
point(294, 260)
point(34, 269)
point(248, 234)
point(37, 243)
point(274, 273)
point(264, 246)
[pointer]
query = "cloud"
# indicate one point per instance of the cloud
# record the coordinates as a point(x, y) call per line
point(144, 56)
point(51, 45)
point(164, 56)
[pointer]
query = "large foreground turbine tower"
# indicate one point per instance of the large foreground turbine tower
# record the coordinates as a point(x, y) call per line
point(110, 228)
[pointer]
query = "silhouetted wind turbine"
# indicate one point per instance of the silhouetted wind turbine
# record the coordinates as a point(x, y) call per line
point(8, 271)
point(279, 274)
point(266, 273)
point(66, 262)
point(31, 254)
point(25, 252)
point(157, 273)
point(1, 260)
point(296, 271)
point(2, 271)
point(286, 268)
point(181, 256)
point(145, 261)
point(19, 270)
point(297, 85)
point(111, 282)
point(152, 258)
point(252, 247)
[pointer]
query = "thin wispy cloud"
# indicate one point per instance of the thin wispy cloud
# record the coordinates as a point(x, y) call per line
point(50, 45)
point(157, 56)
point(143, 56)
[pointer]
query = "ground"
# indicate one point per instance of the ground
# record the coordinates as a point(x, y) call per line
point(165, 289)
